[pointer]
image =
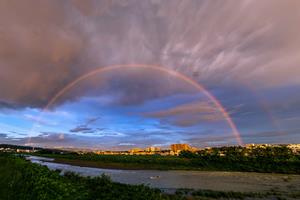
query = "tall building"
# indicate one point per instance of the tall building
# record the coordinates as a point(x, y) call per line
point(180, 147)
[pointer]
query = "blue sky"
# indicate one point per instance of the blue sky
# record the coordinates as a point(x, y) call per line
point(249, 63)
point(102, 121)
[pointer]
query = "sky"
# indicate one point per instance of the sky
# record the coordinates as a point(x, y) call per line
point(120, 74)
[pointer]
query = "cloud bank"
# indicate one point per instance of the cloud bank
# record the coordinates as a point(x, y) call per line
point(45, 45)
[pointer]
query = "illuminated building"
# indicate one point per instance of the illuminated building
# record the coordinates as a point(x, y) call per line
point(152, 149)
point(179, 147)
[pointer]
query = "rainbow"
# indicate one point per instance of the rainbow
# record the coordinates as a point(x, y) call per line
point(156, 68)
point(263, 105)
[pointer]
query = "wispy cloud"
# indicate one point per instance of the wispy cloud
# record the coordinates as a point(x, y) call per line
point(83, 128)
point(55, 42)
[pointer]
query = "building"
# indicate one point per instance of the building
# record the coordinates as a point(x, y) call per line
point(294, 147)
point(135, 150)
point(264, 146)
point(180, 147)
point(152, 149)
point(194, 149)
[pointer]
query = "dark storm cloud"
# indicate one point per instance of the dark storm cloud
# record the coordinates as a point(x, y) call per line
point(4, 104)
point(38, 50)
point(45, 45)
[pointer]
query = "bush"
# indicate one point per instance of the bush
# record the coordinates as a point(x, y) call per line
point(22, 180)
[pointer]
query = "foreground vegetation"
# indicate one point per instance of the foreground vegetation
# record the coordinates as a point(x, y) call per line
point(267, 160)
point(22, 180)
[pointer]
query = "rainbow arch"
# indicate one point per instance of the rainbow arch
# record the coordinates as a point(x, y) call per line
point(156, 68)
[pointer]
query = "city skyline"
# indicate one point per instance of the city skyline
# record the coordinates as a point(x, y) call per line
point(201, 77)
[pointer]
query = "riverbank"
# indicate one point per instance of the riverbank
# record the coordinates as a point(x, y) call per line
point(118, 165)
point(226, 164)
point(239, 182)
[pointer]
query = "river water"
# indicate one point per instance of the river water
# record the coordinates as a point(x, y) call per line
point(173, 179)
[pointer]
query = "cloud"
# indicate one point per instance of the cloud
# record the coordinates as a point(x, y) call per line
point(37, 51)
point(81, 129)
point(126, 144)
point(272, 136)
point(189, 108)
point(59, 139)
point(4, 104)
point(39, 120)
point(42, 139)
point(188, 114)
point(232, 45)
point(110, 133)
point(47, 45)
point(279, 133)
point(49, 137)
point(92, 120)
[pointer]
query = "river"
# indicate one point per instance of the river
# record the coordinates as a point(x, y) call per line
point(173, 179)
